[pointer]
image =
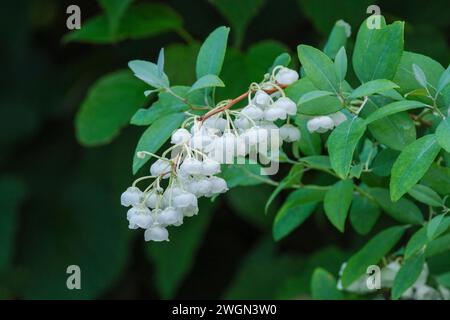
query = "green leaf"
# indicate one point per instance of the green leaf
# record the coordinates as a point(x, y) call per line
point(340, 64)
point(155, 136)
point(310, 143)
point(283, 59)
point(160, 62)
point(443, 134)
point(412, 164)
point(433, 226)
point(371, 87)
point(444, 80)
point(208, 81)
point(166, 104)
point(337, 39)
point(139, 21)
point(438, 178)
point(378, 52)
point(383, 162)
point(364, 214)
point(419, 75)
point(375, 249)
point(342, 144)
point(174, 259)
point(444, 279)
point(114, 10)
point(293, 177)
point(438, 246)
point(407, 275)
point(395, 131)
point(324, 286)
point(337, 202)
point(403, 210)
point(317, 162)
point(149, 73)
point(247, 174)
point(238, 13)
point(212, 53)
point(297, 208)
point(12, 192)
point(426, 195)
point(392, 108)
point(417, 242)
point(313, 95)
point(109, 105)
point(318, 68)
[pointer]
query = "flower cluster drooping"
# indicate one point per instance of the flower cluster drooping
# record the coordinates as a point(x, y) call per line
point(189, 167)
point(322, 124)
point(420, 290)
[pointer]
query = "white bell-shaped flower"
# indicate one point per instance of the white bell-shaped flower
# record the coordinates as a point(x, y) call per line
point(289, 133)
point(250, 136)
point(338, 118)
point(184, 200)
point(191, 166)
point(262, 99)
point(139, 217)
point(160, 167)
point(210, 167)
point(156, 233)
point(216, 122)
point(242, 123)
point(152, 199)
point(273, 113)
point(287, 105)
point(180, 136)
point(201, 140)
point(253, 112)
point(218, 185)
point(170, 194)
point(320, 124)
point(286, 76)
point(241, 147)
point(170, 216)
point(131, 197)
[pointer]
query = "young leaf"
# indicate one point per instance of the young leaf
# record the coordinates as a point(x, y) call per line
point(318, 68)
point(444, 80)
point(207, 81)
point(342, 143)
point(412, 164)
point(371, 87)
point(310, 96)
point(284, 59)
point(340, 64)
point(155, 136)
point(149, 73)
point(403, 210)
point(392, 108)
point(419, 75)
point(407, 275)
point(443, 134)
point(375, 249)
point(378, 52)
point(109, 105)
point(160, 62)
point(323, 286)
point(364, 214)
point(212, 53)
point(426, 195)
point(337, 202)
point(297, 208)
point(337, 38)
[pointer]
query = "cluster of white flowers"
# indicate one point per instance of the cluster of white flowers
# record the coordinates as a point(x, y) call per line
point(199, 148)
point(322, 124)
point(420, 290)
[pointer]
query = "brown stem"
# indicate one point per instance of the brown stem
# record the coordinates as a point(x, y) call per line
point(233, 102)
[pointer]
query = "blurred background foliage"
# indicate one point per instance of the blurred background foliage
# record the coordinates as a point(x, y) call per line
point(59, 200)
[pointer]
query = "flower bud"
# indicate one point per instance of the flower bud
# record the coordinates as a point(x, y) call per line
point(156, 233)
point(338, 118)
point(131, 197)
point(286, 76)
point(180, 136)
